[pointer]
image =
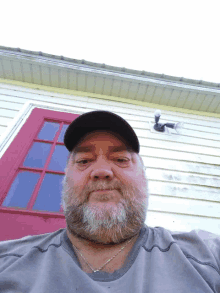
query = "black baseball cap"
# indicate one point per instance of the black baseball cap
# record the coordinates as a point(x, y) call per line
point(100, 120)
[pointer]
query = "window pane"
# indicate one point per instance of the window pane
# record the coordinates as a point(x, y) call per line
point(37, 155)
point(49, 196)
point(59, 158)
point(21, 189)
point(61, 136)
point(48, 130)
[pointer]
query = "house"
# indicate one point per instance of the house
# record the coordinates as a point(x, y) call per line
point(40, 94)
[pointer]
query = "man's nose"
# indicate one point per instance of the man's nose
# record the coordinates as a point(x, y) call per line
point(102, 170)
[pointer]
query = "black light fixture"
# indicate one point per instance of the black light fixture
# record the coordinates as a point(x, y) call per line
point(161, 127)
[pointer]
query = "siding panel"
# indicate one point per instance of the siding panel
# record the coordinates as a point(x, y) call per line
point(4, 121)
point(183, 139)
point(184, 206)
point(179, 156)
point(185, 167)
point(8, 113)
point(182, 147)
point(179, 222)
point(184, 178)
point(2, 130)
point(10, 105)
point(183, 191)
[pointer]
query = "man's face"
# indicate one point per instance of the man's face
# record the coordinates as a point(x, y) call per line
point(105, 190)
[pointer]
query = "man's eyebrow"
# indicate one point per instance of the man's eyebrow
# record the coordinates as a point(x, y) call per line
point(115, 149)
point(83, 149)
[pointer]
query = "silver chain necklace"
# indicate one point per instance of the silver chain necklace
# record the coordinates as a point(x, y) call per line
point(104, 263)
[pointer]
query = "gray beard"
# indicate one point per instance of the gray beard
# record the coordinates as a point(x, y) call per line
point(106, 225)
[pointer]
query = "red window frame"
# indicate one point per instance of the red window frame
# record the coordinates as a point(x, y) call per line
point(13, 158)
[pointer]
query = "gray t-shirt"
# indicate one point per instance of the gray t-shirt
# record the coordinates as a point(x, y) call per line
point(161, 261)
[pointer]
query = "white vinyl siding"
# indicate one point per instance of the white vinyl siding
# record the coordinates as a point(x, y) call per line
point(183, 169)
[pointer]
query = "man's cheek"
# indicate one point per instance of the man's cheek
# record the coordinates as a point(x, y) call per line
point(70, 182)
point(131, 178)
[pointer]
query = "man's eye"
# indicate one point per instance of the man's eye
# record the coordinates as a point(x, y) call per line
point(122, 160)
point(82, 162)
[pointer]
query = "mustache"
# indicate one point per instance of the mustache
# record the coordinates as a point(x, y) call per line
point(101, 185)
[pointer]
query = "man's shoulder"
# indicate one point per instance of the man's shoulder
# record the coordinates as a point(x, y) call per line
point(164, 237)
point(22, 245)
point(197, 235)
point(192, 235)
point(198, 238)
point(195, 243)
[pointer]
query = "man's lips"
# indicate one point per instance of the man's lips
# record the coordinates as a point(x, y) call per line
point(102, 190)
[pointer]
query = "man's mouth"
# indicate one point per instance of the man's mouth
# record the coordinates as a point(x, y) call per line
point(102, 190)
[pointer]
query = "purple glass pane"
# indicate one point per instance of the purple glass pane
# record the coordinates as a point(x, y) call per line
point(48, 130)
point(59, 158)
point(21, 189)
point(37, 155)
point(61, 136)
point(49, 196)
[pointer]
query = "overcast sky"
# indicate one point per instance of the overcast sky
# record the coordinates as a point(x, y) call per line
point(178, 38)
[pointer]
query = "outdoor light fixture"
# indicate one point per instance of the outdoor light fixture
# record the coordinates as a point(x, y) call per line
point(161, 127)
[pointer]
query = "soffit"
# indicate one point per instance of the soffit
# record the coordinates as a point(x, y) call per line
point(61, 72)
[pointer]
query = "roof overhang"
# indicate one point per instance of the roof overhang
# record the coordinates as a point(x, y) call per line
point(61, 72)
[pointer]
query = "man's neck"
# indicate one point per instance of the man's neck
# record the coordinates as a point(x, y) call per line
point(98, 254)
point(87, 245)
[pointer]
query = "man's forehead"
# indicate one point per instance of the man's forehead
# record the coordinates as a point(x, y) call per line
point(114, 142)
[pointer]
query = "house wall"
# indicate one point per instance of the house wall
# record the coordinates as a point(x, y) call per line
point(183, 169)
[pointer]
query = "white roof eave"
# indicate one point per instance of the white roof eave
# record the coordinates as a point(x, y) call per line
point(105, 72)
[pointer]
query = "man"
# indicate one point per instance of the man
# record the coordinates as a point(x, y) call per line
point(106, 246)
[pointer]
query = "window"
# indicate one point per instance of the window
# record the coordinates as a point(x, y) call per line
point(32, 168)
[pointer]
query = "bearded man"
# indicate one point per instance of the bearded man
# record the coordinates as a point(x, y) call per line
point(106, 246)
